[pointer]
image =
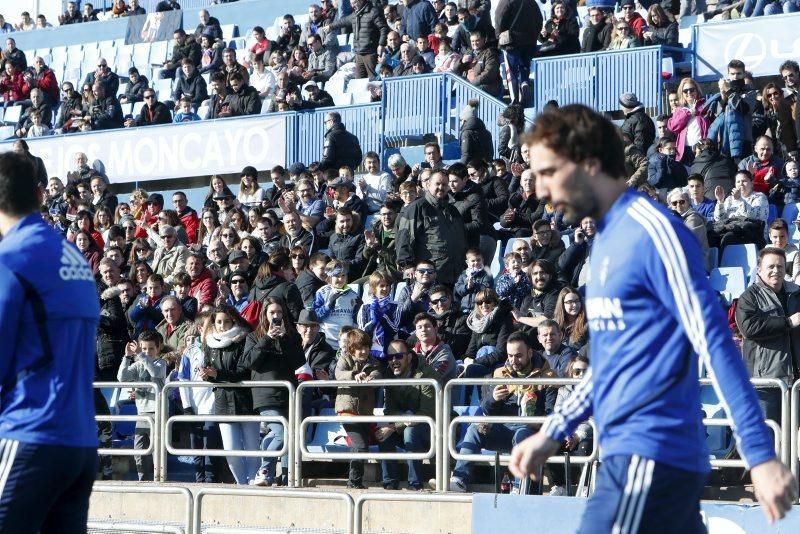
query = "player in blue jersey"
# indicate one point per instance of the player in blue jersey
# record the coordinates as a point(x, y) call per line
point(652, 313)
point(49, 313)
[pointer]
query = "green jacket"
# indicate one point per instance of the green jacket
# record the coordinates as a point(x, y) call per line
point(420, 400)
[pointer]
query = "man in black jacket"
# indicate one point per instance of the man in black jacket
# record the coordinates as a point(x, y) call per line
point(369, 29)
point(316, 97)
point(340, 147)
point(191, 85)
point(468, 199)
point(346, 244)
point(184, 48)
point(106, 113)
point(598, 31)
point(39, 104)
point(243, 99)
point(137, 84)
point(319, 355)
point(637, 125)
point(153, 112)
point(522, 19)
point(105, 76)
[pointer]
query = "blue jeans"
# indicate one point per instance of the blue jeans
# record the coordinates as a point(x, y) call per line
point(414, 439)
point(273, 441)
point(501, 437)
point(758, 8)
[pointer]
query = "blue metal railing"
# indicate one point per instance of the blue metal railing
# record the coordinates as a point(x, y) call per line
point(597, 79)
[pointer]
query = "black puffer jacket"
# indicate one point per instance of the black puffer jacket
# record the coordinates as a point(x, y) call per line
point(194, 88)
point(159, 115)
point(340, 148)
point(272, 359)
point(112, 335)
point(640, 128)
point(493, 335)
point(597, 36)
point(228, 363)
point(307, 283)
point(135, 91)
point(475, 141)
point(544, 302)
point(522, 18)
point(275, 286)
point(369, 28)
point(245, 102)
point(716, 169)
point(470, 204)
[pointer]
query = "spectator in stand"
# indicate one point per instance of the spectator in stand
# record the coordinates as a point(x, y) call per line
point(26, 23)
point(231, 66)
point(219, 96)
point(638, 125)
point(556, 353)
point(678, 201)
point(184, 48)
point(393, 19)
point(210, 55)
point(89, 13)
point(522, 207)
point(14, 55)
point(715, 168)
point(321, 61)
point(765, 167)
point(187, 215)
point(597, 35)
point(272, 352)
point(380, 317)
point(38, 128)
point(13, 86)
point(42, 77)
point(336, 303)
point(513, 284)
point(402, 400)
point(101, 196)
point(734, 106)
point(447, 60)
point(71, 15)
point(468, 199)
point(191, 85)
point(560, 34)
point(317, 20)
point(742, 216)
point(767, 315)
point(481, 66)
point(570, 316)
point(104, 75)
point(664, 172)
point(419, 18)
point(39, 105)
point(311, 279)
point(697, 199)
point(5, 27)
point(340, 146)
point(405, 64)
point(289, 35)
point(491, 323)
point(106, 112)
point(118, 9)
point(475, 140)
point(370, 31)
point(153, 112)
point(202, 285)
point(243, 99)
point(184, 112)
point(545, 242)
point(660, 30)
point(170, 256)
point(621, 37)
point(209, 26)
point(689, 121)
point(522, 362)
point(261, 45)
point(167, 5)
point(635, 21)
point(424, 51)
point(262, 79)
point(134, 9)
point(137, 85)
point(373, 186)
point(778, 114)
point(517, 23)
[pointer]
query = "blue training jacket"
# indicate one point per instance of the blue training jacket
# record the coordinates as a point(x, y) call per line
point(47, 332)
point(651, 314)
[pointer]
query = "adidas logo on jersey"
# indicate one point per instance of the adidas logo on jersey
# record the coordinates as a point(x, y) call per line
point(73, 265)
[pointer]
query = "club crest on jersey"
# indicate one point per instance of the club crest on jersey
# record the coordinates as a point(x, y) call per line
point(605, 314)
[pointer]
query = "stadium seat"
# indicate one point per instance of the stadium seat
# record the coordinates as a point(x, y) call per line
point(744, 256)
point(266, 104)
point(127, 109)
point(158, 52)
point(773, 213)
point(238, 44)
point(202, 111)
point(356, 85)
point(137, 108)
point(362, 97)
point(12, 115)
point(567, 239)
point(728, 281)
point(141, 55)
point(510, 245)
point(73, 74)
point(59, 54)
point(328, 437)
point(713, 257)
point(163, 88)
point(6, 132)
point(122, 88)
point(790, 212)
point(229, 31)
point(342, 99)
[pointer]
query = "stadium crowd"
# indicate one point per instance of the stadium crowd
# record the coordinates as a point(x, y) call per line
point(342, 271)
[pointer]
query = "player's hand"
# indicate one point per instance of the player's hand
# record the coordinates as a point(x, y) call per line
point(527, 457)
point(775, 488)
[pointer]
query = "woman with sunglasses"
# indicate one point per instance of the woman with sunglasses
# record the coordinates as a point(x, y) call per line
point(140, 251)
point(229, 236)
point(779, 123)
point(299, 259)
point(571, 318)
point(689, 121)
point(621, 37)
point(491, 323)
point(122, 209)
point(580, 442)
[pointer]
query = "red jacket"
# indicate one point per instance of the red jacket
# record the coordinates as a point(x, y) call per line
point(150, 220)
point(203, 289)
point(47, 82)
point(15, 88)
point(637, 24)
point(191, 223)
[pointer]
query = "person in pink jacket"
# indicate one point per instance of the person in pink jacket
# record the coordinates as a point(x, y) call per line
point(688, 122)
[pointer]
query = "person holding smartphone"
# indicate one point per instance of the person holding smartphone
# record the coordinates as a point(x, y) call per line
point(272, 352)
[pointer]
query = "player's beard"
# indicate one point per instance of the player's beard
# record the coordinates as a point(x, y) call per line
point(582, 201)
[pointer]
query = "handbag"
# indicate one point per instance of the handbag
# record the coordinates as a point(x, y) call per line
point(252, 313)
point(504, 39)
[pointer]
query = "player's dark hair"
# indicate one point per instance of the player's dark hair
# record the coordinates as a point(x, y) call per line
point(19, 192)
point(579, 134)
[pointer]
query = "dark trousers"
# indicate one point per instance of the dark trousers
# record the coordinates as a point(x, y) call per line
point(47, 487)
point(365, 65)
point(359, 441)
point(103, 433)
point(206, 436)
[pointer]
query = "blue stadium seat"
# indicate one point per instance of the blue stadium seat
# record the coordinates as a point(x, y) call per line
point(744, 256)
point(328, 437)
point(342, 99)
point(356, 85)
point(229, 31)
point(713, 257)
point(509, 245)
point(159, 52)
point(729, 281)
point(773, 213)
point(790, 212)
point(362, 97)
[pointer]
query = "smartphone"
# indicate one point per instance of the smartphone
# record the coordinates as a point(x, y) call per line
point(278, 321)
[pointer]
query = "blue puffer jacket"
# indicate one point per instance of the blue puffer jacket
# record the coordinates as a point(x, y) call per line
point(419, 19)
point(663, 172)
point(733, 126)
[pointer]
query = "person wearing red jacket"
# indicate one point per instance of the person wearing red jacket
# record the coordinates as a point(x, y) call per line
point(188, 216)
point(13, 86)
point(634, 19)
point(153, 206)
point(202, 286)
point(44, 78)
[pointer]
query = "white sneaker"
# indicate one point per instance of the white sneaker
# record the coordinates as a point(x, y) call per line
point(557, 491)
point(262, 479)
point(457, 485)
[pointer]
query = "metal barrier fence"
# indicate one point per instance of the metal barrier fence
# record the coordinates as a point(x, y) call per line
point(303, 453)
point(400, 497)
point(149, 489)
point(598, 79)
point(287, 422)
point(794, 429)
point(776, 433)
point(153, 422)
point(197, 522)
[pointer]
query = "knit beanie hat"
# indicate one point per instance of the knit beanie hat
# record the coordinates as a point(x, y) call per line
point(468, 111)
